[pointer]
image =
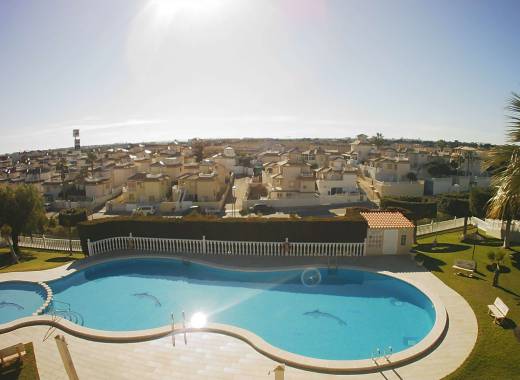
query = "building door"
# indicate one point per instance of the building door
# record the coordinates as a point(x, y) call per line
point(390, 242)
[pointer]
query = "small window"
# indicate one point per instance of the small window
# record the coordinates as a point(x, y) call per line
point(403, 239)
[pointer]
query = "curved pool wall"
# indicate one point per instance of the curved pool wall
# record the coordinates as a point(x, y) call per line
point(346, 316)
point(277, 281)
point(19, 299)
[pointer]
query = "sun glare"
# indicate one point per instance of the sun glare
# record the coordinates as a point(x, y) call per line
point(198, 320)
point(166, 10)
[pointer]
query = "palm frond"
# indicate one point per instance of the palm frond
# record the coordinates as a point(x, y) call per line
point(505, 202)
point(498, 157)
point(514, 124)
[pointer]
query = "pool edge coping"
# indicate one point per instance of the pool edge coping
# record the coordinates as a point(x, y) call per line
point(422, 348)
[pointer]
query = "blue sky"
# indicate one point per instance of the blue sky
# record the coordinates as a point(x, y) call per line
point(128, 70)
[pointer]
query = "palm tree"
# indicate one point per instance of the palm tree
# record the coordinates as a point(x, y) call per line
point(441, 144)
point(5, 233)
point(378, 140)
point(505, 163)
point(91, 159)
point(62, 167)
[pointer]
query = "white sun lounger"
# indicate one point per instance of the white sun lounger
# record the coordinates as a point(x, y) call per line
point(463, 267)
point(498, 310)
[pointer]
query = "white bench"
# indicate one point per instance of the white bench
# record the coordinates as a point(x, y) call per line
point(13, 352)
point(498, 310)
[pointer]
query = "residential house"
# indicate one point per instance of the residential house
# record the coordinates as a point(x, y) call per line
point(96, 187)
point(143, 164)
point(289, 179)
point(387, 169)
point(52, 188)
point(360, 150)
point(227, 159)
point(121, 173)
point(269, 156)
point(172, 167)
point(147, 188)
point(293, 155)
point(317, 157)
point(338, 180)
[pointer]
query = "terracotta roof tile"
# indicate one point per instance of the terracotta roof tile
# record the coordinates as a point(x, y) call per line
point(386, 219)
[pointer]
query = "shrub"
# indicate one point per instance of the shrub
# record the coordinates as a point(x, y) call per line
point(350, 228)
point(71, 217)
point(415, 208)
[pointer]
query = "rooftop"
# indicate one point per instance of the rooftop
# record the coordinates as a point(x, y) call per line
point(386, 219)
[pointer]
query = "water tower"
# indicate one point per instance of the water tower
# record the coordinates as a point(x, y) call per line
point(75, 134)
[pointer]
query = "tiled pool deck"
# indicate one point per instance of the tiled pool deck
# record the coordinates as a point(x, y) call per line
point(216, 356)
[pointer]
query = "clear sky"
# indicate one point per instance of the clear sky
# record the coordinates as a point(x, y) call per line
point(129, 70)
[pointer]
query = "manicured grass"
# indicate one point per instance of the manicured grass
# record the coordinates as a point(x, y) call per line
point(35, 259)
point(24, 370)
point(497, 352)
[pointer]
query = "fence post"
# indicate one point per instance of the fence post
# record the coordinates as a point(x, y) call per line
point(204, 244)
point(44, 242)
point(88, 246)
point(286, 247)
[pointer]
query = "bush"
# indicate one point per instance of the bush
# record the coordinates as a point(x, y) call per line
point(479, 199)
point(414, 208)
point(350, 228)
point(71, 217)
point(454, 206)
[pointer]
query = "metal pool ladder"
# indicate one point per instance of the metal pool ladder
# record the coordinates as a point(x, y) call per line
point(66, 312)
point(332, 267)
point(183, 328)
point(377, 354)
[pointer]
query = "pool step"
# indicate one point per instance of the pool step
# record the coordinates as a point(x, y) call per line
point(48, 299)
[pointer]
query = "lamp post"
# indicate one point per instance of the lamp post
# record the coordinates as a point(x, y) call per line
point(234, 193)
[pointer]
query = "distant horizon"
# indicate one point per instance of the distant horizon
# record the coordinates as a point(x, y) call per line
point(141, 70)
point(186, 140)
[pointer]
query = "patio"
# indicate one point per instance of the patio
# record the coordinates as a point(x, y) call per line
point(209, 355)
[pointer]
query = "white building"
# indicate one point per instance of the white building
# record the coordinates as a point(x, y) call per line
point(227, 159)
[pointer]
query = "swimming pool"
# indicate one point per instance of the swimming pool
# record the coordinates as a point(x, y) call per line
point(19, 299)
point(339, 315)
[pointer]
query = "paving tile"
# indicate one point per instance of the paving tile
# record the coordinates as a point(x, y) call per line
point(217, 356)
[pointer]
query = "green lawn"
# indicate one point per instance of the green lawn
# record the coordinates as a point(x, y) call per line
point(35, 259)
point(24, 370)
point(497, 352)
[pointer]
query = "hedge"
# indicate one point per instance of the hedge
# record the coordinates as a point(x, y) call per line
point(417, 208)
point(350, 228)
point(71, 217)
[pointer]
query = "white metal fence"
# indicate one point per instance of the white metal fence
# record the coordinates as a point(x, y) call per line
point(48, 243)
point(223, 247)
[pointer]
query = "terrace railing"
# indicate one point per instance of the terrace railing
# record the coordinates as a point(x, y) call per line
point(224, 247)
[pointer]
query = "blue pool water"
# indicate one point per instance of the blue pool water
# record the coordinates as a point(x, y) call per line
point(342, 315)
point(19, 299)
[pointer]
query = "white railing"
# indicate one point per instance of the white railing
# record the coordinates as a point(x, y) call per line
point(224, 247)
point(491, 227)
point(48, 243)
point(496, 228)
point(441, 226)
